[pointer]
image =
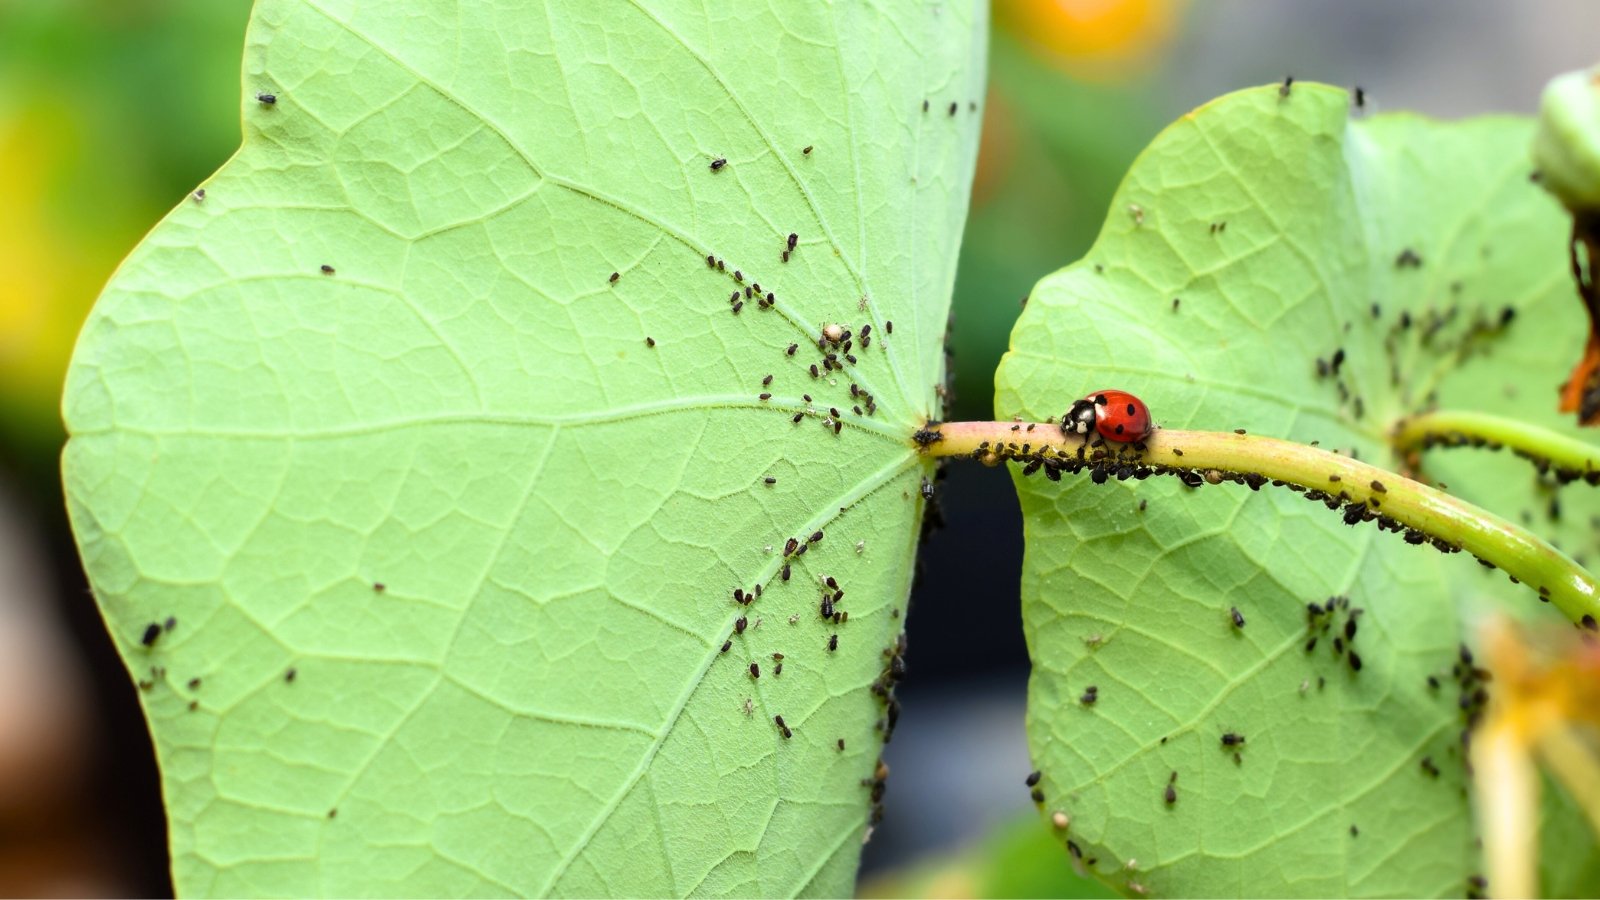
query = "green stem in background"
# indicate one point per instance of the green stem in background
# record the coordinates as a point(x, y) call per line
point(1364, 492)
point(1567, 458)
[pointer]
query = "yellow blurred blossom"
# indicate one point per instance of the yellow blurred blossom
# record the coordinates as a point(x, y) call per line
point(1544, 708)
point(1101, 40)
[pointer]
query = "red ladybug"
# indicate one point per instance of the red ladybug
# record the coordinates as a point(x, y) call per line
point(1117, 415)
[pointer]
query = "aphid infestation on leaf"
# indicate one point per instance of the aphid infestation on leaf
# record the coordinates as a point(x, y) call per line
point(1421, 349)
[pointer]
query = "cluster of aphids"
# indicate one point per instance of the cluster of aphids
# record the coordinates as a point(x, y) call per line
point(1543, 465)
point(1113, 425)
point(751, 292)
point(830, 611)
point(793, 549)
point(894, 668)
point(836, 344)
point(1472, 699)
point(150, 637)
point(1452, 330)
point(1061, 821)
point(152, 633)
point(1323, 618)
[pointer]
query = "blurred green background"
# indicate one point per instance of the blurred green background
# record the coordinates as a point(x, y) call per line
point(111, 111)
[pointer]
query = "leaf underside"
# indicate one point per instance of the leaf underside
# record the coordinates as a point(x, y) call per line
point(449, 547)
point(1257, 235)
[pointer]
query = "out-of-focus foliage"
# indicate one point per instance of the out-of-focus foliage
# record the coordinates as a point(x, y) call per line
point(1054, 147)
point(1018, 859)
point(109, 112)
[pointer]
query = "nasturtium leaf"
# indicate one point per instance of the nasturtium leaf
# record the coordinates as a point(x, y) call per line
point(1260, 238)
point(447, 517)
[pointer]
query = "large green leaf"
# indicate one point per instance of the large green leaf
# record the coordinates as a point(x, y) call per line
point(1288, 231)
point(449, 532)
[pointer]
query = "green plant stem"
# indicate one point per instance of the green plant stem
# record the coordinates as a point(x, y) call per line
point(1571, 459)
point(1364, 491)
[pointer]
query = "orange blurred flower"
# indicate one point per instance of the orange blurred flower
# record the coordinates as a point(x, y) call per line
point(1101, 40)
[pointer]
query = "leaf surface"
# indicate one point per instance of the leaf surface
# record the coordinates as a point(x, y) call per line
point(447, 517)
point(1254, 238)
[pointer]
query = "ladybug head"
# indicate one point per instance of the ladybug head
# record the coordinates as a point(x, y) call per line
point(1080, 418)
